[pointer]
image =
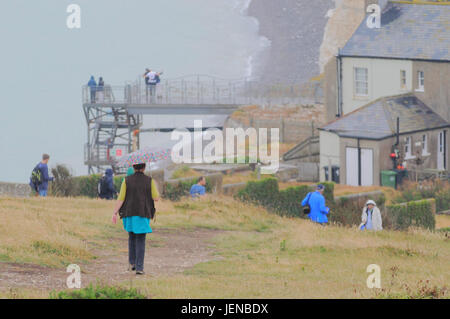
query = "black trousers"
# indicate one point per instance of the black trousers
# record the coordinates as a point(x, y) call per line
point(136, 250)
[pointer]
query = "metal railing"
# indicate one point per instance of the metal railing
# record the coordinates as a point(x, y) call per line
point(202, 90)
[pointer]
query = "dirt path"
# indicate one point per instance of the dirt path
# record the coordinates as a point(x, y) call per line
point(167, 252)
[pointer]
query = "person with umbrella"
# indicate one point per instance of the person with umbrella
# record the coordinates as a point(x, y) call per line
point(136, 206)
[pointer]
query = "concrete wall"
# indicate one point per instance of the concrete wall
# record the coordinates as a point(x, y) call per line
point(14, 190)
point(383, 80)
point(291, 131)
point(329, 152)
point(331, 89)
point(437, 86)
point(308, 172)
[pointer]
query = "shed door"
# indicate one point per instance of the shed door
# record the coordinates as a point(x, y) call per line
point(366, 167)
point(351, 166)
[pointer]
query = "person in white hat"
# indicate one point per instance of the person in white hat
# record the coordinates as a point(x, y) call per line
point(371, 217)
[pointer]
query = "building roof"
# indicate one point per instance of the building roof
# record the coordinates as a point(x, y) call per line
point(378, 119)
point(408, 31)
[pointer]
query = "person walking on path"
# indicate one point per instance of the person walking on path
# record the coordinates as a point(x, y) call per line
point(316, 202)
point(371, 217)
point(92, 88)
point(136, 206)
point(107, 190)
point(39, 177)
point(198, 189)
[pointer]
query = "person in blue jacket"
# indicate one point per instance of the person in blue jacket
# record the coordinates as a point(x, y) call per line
point(199, 189)
point(92, 88)
point(316, 201)
point(42, 187)
point(107, 188)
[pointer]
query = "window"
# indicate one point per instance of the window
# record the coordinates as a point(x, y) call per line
point(408, 144)
point(425, 145)
point(420, 81)
point(402, 79)
point(361, 82)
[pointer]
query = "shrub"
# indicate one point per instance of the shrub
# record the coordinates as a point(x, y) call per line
point(87, 185)
point(289, 201)
point(174, 190)
point(267, 194)
point(443, 201)
point(421, 214)
point(415, 213)
point(264, 192)
point(428, 189)
point(347, 210)
point(63, 184)
point(99, 292)
point(329, 191)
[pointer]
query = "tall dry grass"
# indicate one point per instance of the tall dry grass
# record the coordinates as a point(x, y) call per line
point(260, 255)
point(51, 231)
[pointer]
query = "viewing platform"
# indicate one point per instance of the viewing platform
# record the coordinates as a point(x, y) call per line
point(114, 114)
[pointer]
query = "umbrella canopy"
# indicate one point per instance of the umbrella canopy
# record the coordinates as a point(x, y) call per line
point(146, 155)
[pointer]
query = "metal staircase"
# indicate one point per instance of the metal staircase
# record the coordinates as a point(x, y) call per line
point(110, 130)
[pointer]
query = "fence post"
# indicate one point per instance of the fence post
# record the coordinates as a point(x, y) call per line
point(198, 89)
point(182, 91)
point(214, 90)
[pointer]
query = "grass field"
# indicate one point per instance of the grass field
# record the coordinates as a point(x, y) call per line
point(255, 254)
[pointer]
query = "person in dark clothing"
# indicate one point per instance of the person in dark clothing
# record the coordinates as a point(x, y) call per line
point(100, 90)
point(107, 190)
point(152, 78)
point(136, 206)
point(40, 185)
point(92, 88)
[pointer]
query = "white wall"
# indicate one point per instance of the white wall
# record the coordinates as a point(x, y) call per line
point(329, 152)
point(383, 77)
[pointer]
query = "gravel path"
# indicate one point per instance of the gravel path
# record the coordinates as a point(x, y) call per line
point(168, 252)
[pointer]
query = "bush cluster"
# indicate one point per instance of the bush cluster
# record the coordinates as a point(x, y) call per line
point(99, 292)
point(174, 191)
point(347, 210)
point(286, 202)
point(415, 213)
point(66, 185)
point(438, 190)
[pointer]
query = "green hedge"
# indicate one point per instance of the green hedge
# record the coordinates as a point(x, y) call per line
point(346, 210)
point(290, 199)
point(438, 190)
point(87, 185)
point(443, 201)
point(416, 213)
point(286, 202)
